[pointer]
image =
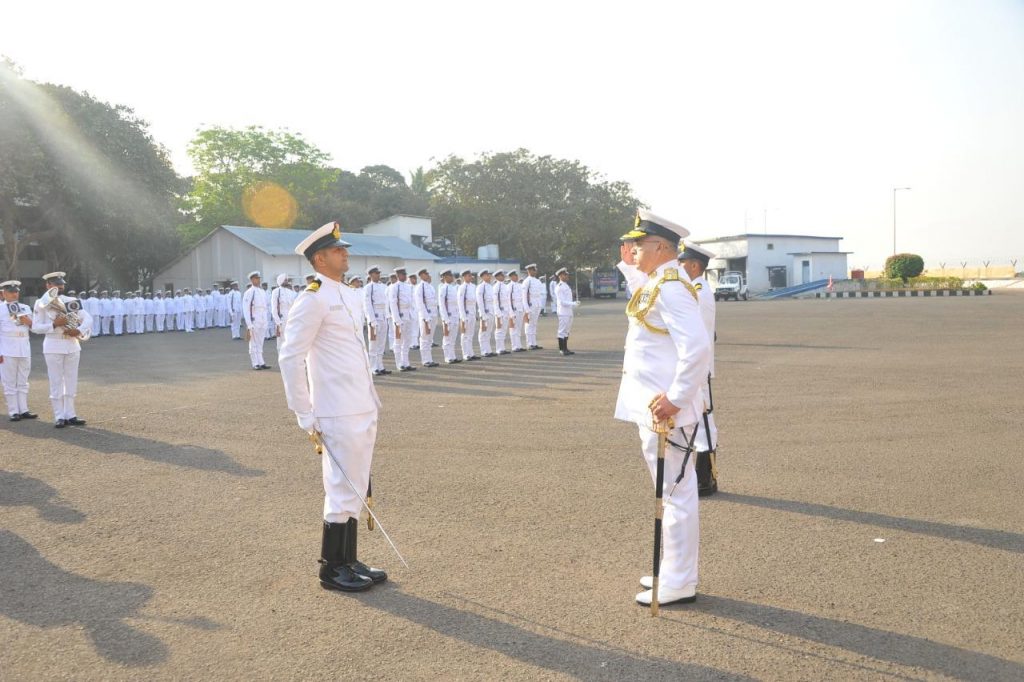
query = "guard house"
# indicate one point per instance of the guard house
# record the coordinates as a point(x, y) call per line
point(777, 261)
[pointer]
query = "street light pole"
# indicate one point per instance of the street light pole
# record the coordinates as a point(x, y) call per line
point(894, 190)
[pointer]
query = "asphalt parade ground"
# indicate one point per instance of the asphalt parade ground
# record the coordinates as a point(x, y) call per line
point(869, 527)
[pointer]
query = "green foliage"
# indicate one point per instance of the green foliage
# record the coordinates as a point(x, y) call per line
point(979, 286)
point(904, 266)
point(85, 180)
point(230, 161)
point(357, 200)
point(555, 211)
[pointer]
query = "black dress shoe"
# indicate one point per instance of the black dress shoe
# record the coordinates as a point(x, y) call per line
point(385, 371)
point(342, 577)
point(406, 369)
point(536, 347)
point(336, 571)
point(376, 575)
point(75, 421)
point(265, 367)
point(471, 358)
point(430, 364)
point(414, 347)
point(453, 361)
point(29, 415)
point(519, 350)
point(14, 418)
point(60, 424)
point(434, 345)
point(490, 355)
point(257, 368)
point(504, 352)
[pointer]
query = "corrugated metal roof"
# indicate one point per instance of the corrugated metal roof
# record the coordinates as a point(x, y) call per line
point(283, 242)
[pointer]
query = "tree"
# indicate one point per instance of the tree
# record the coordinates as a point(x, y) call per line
point(85, 181)
point(554, 211)
point(904, 266)
point(357, 200)
point(254, 176)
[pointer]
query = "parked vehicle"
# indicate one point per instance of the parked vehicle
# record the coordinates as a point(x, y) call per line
point(605, 283)
point(731, 285)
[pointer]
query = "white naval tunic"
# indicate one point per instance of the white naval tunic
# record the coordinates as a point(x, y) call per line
point(403, 316)
point(15, 356)
point(425, 299)
point(375, 306)
point(485, 309)
point(706, 299)
point(466, 300)
point(533, 296)
point(674, 363)
point(564, 306)
point(326, 374)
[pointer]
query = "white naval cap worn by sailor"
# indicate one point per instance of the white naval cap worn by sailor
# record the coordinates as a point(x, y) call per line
point(648, 224)
point(325, 236)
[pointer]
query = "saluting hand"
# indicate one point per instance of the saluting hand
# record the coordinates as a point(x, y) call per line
point(626, 253)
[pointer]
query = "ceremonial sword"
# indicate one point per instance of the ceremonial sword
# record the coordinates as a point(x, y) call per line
point(320, 446)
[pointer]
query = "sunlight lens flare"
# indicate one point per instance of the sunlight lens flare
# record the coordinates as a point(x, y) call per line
point(268, 204)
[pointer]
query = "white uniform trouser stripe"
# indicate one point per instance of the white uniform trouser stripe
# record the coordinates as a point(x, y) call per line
point(681, 526)
point(350, 439)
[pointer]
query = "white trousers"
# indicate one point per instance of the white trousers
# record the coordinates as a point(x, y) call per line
point(531, 326)
point(350, 439)
point(257, 335)
point(222, 318)
point(376, 346)
point(118, 325)
point(96, 330)
point(706, 441)
point(564, 326)
point(467, 338)
point(63, 372)
point(414, 332)
point(500, 332)
point(160, 321)
point(149, 321)
point(426, 339)
point(448, 341)
point(680, 526)
point(236, 325)
point(516, 330)
point(486, 329)
point(140, 324)
point(200, 319)
point(14, 374)
point(402, 343)
point(129, 324)
point(105, 325)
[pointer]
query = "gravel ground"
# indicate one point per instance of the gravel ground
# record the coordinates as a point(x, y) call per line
point(176, 535)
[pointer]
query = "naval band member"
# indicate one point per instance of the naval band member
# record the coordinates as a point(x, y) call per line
point(15, 351)
point(664, 367)
point(62, 348)
point(329, 385)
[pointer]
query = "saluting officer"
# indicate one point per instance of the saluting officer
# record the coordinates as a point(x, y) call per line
point(465, 297)
point(694, 260)
point(533, 295)
point(329, 386)
point(15, 351)
point(664, 366)
point(62, 349)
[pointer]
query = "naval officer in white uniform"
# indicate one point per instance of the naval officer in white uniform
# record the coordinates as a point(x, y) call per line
point(533, 295)
point(694, 261)
point(565, 307)
point(664, 367)
point(328, 383)
point(62, 349)
point(15, 351)
point(254, 313)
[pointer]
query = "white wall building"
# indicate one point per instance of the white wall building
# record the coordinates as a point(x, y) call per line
point(776, 261)
point(231, 253)
point(416, 230)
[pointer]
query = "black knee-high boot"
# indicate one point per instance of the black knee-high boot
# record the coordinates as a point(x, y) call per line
point(352, 552)
point(335, 573)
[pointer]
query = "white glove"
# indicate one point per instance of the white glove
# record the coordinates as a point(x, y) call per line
point(307, 422)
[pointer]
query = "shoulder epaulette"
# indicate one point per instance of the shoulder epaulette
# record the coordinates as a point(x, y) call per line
point(698, 286)
point(671, 275)
point(314, 286)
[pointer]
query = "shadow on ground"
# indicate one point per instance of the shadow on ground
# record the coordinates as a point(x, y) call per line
point(997, 539)
point(882, 645)
point(579, 660)
point(115, 442)
point(18, 490)
point(36, 592)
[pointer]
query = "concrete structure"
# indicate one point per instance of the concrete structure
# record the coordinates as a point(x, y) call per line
point(416, 230)
point(230, 253)
point(776, 261)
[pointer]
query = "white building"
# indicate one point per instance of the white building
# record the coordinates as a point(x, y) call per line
point(230, 253)
point(776, 261)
